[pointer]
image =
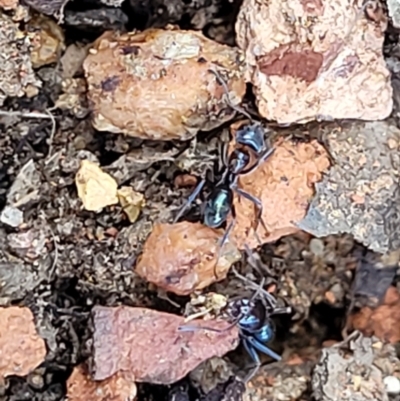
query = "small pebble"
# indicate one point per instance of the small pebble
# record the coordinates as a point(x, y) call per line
point(36, 381)
point(12, 216)
point(392, 385)
point(317, 247)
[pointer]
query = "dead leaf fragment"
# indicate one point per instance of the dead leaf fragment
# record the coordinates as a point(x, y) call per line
point(148, 345)
point(383, 321)
point(81, 387)
point(96, 189)
point(133, 78)
point(131, 201)
point(181, 257)
point(285, 185)
point(21, 349)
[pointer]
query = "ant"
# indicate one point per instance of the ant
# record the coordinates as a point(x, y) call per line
point(250, 151)
point(253, 318)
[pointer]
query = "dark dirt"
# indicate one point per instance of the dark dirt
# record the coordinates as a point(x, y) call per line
point(72, 259)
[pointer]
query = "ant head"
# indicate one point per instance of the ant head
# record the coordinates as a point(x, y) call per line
point(252, 136)
point(245, 307)
point(249, 314)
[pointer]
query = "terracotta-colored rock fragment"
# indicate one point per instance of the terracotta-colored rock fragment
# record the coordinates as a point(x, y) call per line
point(157, 85)
point(81, 387)
point(383, 321)
point(148, 345)
point(21, 349)
point(181, 257)
point(315, 59)
point(285, 185)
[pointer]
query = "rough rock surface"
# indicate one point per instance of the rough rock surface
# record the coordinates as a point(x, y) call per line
point(16, 74)
point(360, 193)
point(133, 77)
point(314, 60)
point(284, 383)
point(356, 374)
point(148, 344)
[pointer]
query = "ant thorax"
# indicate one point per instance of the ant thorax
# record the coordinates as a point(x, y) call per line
point(242, 160)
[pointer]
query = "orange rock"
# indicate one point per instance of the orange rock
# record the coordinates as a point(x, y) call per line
point(285, 185)
point(21, 349)
point(81, 387)
point(181, 257)
point(157, 85)
point(383, 321)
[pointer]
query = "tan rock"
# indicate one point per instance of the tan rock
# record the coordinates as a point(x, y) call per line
point(96, 189)
point(314, 60)
point(157, 84)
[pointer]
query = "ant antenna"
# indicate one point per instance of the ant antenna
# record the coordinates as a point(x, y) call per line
point(259, 289)
point(225, 86)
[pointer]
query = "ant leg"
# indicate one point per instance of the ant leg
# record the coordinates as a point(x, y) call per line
point(186, 328)
point(254, 356)
point(271, 299)
point(222, 243)
point(255, 263)
point(226, 89)
point(190, 200)
point(224, 154)
point(281, 311)
point(262, 348)
point(257, 204)
point(264, 156)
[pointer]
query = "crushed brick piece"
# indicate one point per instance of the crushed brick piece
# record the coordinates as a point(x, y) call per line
point(21, 348)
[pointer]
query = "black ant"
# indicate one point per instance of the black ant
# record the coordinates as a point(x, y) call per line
point(253, 318)
point(250, 151)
